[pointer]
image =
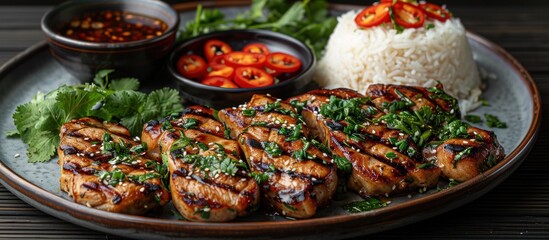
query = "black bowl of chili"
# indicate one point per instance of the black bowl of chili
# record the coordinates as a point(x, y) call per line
point(132, 36)
point(285, 85)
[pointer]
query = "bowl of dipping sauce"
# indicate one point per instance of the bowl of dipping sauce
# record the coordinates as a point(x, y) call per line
point(133, 37)
point(226, 68)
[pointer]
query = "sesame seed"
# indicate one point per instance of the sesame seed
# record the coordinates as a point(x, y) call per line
point(386, 194)
point(146, 206)
point(374, 131)
point(472, 140)
point(409, 195)
point(313, 98)
point(86, 138)
point(217, 128)
point(142, 189)
point(242, 179)
point(465, 142)
point(401, 134)
point(188, 177)
point(394, 187)
point(17, 155)
point(88, 204)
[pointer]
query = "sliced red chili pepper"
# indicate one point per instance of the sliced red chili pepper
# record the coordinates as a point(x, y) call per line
point(282, 62)
point(435, 11)
point(272, 72)
point(251, 77)
point(220, 70)
point(219, 82)
point(408, 15)
point(256, 48)
point(373, 15)
point(219, 59)
point(191, 66)
point(243, 59)
point(216, 47)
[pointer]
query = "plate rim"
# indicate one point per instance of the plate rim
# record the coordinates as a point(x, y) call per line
point(111, 222)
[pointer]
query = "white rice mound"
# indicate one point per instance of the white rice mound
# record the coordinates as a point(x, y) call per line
point(356, 58)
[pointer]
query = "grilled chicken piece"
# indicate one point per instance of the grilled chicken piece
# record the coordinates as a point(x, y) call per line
point(433, 98)
point(101, 167)
point(379, 166)
point(460, 158)
point(296, 177)
point(208, 181)
point(464, 158)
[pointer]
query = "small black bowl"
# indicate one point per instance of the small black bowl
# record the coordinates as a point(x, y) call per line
point(141, 59)
point(218, 97)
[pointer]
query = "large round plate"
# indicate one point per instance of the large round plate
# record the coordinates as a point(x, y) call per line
point(511, 92)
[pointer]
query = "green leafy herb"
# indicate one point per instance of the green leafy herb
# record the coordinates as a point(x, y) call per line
point(425, 165)
point(143, 177)
point(461, 154)
point(397, 26)
point(190, 123)
point(473, 118)
point(363, 206)
point(248, 112)
point(112, 178)
point(343, 164)
point(493, 121)
point(302, 154)
point(260, 177)
point(272, 149)
point(430, 26)
point(391, 155)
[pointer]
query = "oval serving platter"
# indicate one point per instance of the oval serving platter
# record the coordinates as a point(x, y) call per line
point(511, 92)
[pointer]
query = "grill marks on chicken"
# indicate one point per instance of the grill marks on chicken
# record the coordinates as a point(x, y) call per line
point(379, 167)
point(115, 180)
point(208, 181)
point(398, 138)
point(296, 177)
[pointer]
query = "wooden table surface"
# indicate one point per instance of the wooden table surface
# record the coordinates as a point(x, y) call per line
point(518, 208)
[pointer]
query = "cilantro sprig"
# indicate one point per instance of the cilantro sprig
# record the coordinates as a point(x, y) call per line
point(38, 121)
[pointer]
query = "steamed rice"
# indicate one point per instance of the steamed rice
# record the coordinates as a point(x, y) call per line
point(356, 57)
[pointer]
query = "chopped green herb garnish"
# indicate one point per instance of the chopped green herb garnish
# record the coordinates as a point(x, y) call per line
point(202, 146)
point(473, 118)
point(143, 177)
point(461, 154)
point(302, 154)
point(167, 125)
point(288, 206)
point(190, 123)
point(343, 164)
point(425, 165)
point(391, 155)
point(248, 112)
point(430, 26)
point(298, 105)
point(363, 206)
point(260, 177)
point(493, 121)
point(272, 149)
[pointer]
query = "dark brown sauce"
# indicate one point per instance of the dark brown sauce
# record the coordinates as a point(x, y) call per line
point(113, 27)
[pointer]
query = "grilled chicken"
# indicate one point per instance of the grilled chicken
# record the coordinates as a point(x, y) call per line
point(464, 158)
point(101, 167)
point(208, 181)
point(460, 157)
point(296, 177)
point(379, 167)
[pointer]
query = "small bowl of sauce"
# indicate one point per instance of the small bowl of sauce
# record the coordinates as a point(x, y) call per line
point(133, 37)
